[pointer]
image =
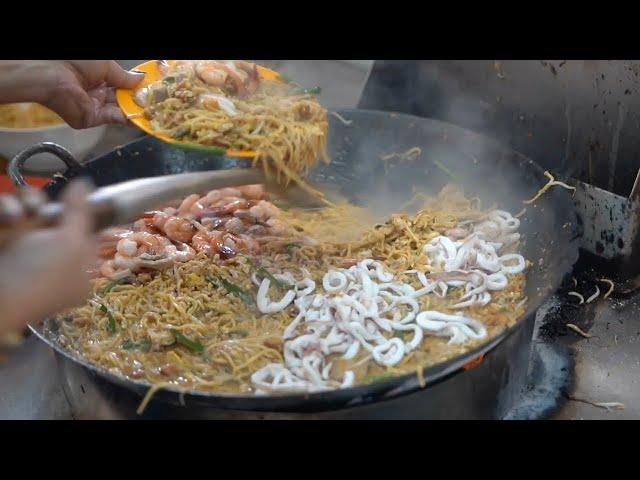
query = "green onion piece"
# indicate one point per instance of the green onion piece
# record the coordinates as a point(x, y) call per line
point(111, 326)
point(279, 283)
point(446, 170)
point(400, 334)
point(144, 345)
point(169, 79)
point(291, 246)
point(187, 342)
point(232, 288)
point(377, 378)
point(307, 91)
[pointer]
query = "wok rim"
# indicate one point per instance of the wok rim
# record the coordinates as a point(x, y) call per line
point(383, 389)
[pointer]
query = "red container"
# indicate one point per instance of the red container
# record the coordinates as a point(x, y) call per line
point(7, 187)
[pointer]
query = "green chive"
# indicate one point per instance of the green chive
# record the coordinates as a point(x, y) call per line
point(285, 79)
point(263, 272)
point(291, 246)
point(111, 326)
point(144, 345)
point(232, 288)
point(442, 167)
point(307, 91)
point(187, 342)
point(377, 378)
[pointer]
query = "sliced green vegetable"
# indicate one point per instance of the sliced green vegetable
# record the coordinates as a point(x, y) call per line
point(307, 91)
point(169, 79)
point(111, 325)
point(231, 288)
point(263, 272)
point(401, 334)
point(291, 246)
point(144, 345)
point(446, 170)
point(377, 378)
point(187, 342)
point(285, 78)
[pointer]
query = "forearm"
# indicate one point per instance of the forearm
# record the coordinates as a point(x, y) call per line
point(23, 297)
point(14, 316)
point(25, 80)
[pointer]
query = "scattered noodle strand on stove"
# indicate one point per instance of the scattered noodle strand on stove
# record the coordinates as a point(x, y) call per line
point(552, 182)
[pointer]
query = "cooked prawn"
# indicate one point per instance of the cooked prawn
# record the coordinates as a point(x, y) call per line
point(264, 210)
point(185, 207)
point(253, 192)
point(179, 229)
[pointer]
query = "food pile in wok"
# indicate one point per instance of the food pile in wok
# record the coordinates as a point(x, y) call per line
point(225, 291)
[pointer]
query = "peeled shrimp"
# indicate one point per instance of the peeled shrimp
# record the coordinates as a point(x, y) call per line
point(187, 203)
point(277, 226)
point(139, 243)
point(179, 229)
point(180, 253)
point(227, 206)
point(216, 73)
point(235, 226)
point(207, 242)
point(175, 228)
point(210, 74)
point(264, 210)
point(253, 192)
point(109, 270)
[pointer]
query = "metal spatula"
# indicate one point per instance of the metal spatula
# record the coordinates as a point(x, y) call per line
point(124, 202)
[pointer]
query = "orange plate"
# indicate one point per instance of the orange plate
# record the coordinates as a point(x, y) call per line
point(135, 113)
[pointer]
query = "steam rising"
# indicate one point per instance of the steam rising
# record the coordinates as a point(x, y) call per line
point(481, 167)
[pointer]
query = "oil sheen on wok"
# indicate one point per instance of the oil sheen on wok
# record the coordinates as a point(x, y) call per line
point(228, 292)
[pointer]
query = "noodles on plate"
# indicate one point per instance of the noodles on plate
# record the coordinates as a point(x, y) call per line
point(226, 104)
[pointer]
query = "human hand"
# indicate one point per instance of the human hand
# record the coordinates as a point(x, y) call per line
point(45, 271)
point(82, 92)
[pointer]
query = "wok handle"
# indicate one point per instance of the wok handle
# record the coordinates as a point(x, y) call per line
point(17, 163)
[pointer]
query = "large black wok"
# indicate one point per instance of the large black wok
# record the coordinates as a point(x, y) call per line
point(448, 154)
